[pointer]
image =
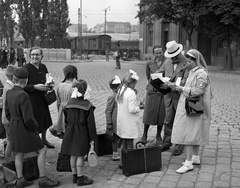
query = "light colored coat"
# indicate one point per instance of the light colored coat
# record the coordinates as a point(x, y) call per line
point(128, 122)
point(193, 130)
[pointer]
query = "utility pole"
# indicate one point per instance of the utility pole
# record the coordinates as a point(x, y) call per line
point(80, 28)
point(105, 20)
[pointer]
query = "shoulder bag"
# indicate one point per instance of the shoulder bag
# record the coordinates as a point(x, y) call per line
point(194, 106)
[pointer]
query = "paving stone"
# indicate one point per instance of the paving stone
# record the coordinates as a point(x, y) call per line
point(235, 181)
point(131, 180)
point(203, 185)
point(152, 179)
point(223, 184)
point(167, 184)
point(205, 177)
point(185, 184)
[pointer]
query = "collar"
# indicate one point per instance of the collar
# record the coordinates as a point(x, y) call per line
point(10, 83)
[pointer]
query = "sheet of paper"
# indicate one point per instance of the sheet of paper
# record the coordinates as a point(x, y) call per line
point(156, 76)
point(178, 81)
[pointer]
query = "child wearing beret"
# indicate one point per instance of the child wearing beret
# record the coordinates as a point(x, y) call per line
point(23, 130)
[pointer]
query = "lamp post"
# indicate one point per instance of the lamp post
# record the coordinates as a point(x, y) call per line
point(105, 19)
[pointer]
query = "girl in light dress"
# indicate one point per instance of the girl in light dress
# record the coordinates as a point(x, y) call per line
point(63, 92)
point(128, 122)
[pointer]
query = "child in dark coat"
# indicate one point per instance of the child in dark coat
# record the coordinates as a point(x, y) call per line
point(80, 130)
point(23, 131)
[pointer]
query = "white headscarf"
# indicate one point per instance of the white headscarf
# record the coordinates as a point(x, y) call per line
point(199, 58)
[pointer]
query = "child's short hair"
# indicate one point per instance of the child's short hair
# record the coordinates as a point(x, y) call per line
point(70, 71)
point(81, 85)
point(10, 71)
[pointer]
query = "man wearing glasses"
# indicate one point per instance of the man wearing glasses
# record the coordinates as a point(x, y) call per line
point(174, 68)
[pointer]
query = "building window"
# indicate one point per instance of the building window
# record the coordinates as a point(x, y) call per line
point(149, 34)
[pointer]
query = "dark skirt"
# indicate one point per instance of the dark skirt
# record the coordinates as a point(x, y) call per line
point(154, 111)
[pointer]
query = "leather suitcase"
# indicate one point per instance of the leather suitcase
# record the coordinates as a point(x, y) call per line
point(103, 145)
point(141, 160)
point(30, 167)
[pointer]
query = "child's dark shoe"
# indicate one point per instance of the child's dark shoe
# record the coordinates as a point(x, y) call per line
point(84, 180)
point(74, 178)
point(46, 182)
point(21, 182)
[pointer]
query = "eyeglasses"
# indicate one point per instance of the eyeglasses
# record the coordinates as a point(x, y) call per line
point(36, 55)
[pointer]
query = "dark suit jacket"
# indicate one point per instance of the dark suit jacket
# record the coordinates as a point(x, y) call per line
point(168, 70)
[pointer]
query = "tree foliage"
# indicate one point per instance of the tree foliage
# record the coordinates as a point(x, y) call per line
point(7, 22)
point(185, 12)
point(217, 19)
point(43, 19)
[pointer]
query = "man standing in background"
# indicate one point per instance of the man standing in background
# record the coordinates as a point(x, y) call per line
point(20, 55)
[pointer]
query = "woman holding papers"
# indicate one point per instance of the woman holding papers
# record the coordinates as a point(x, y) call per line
point(154, 112)
point(193, 131)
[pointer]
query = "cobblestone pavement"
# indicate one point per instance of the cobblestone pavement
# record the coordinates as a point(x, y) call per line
point(220, 160)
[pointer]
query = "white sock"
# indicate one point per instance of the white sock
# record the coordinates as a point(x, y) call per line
point(195, 158)
point(188, 163)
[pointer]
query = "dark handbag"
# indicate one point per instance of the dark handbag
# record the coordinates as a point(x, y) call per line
point(194, 106)
point(103, 144)
point(50, 97)
point(143, 159)
point(63, 163)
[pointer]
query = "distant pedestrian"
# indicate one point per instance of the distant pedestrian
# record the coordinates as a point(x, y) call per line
point(20, 55)
point(118, 56)
point(12, 58)
point(64, 92)
point(111, 116)
point(80, 131)
point(107, 54)
point(24, 137)
point(5, 58)
point(193, 131)
point(128, 122)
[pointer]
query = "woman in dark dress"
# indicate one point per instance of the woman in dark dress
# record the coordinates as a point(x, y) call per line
point(36, 89)
point(80, 130)
point(154, 112)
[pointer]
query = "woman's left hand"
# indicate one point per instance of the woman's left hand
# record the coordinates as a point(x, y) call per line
point(179, 88)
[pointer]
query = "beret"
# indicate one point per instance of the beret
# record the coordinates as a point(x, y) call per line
point(21, 73)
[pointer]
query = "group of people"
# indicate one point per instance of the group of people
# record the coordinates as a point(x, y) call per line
point(10, 56)
point(26, 113)
point(166, 111)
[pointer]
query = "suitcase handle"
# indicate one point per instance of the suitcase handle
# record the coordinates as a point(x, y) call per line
point(140, 142)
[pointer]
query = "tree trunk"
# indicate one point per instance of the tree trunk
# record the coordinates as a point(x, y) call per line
point(228, 65)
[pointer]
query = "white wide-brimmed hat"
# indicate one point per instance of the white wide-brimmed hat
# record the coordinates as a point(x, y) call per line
point(173, 49)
